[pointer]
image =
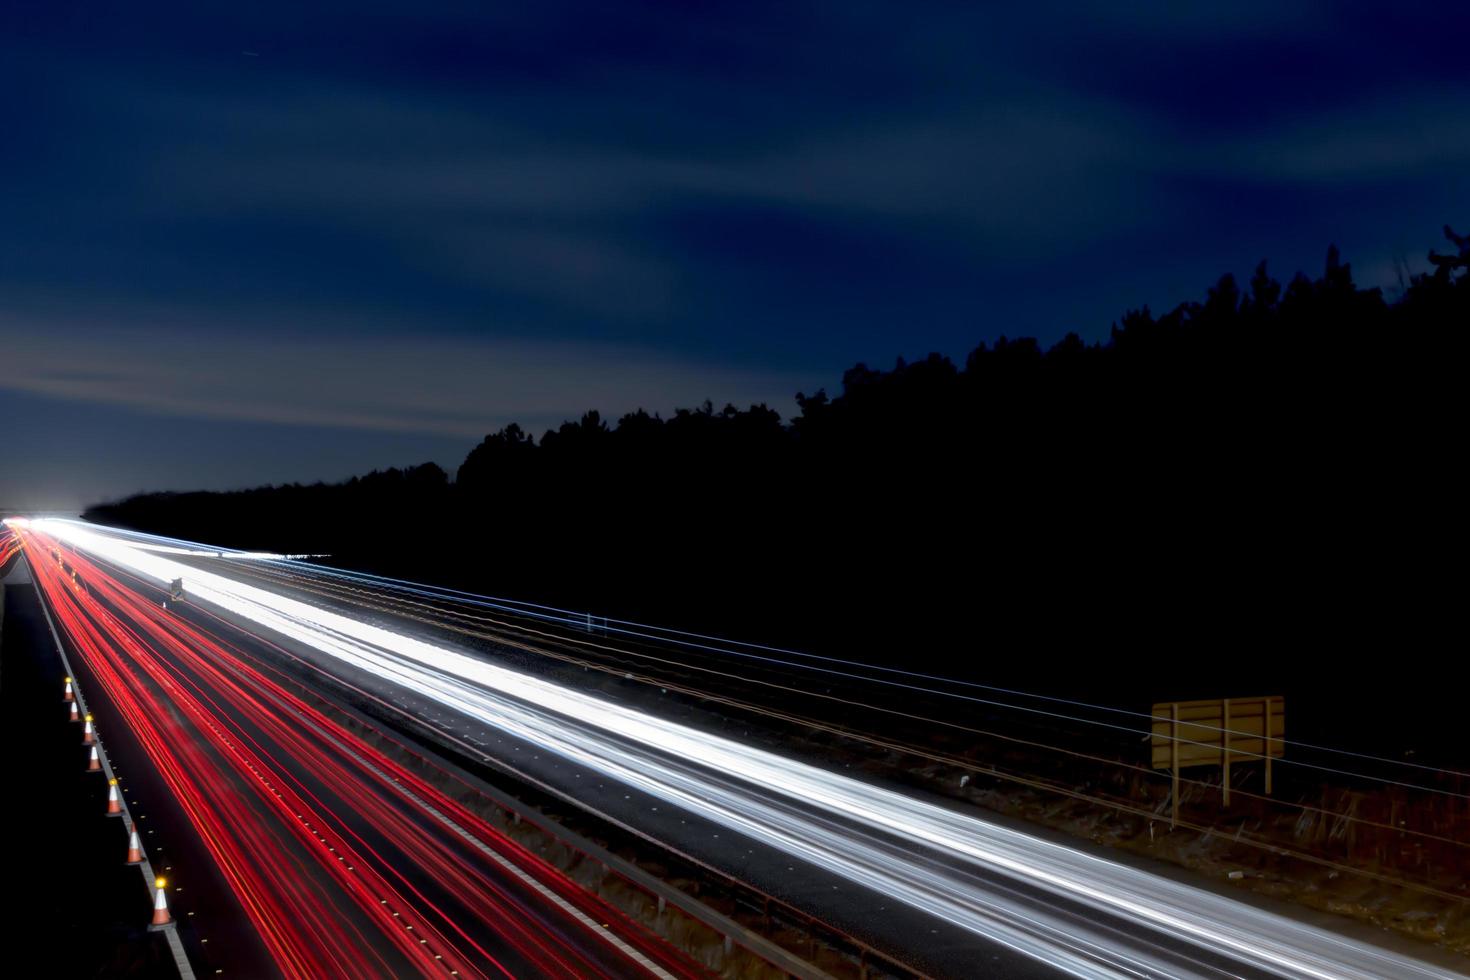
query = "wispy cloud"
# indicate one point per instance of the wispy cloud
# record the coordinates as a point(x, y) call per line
point(444, 387)
point(1002, 166)
point(1415, 135)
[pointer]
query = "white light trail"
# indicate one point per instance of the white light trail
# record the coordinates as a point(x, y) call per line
point(927, 856)
point(164, 549)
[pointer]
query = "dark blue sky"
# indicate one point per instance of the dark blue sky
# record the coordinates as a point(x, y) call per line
point(277, 241)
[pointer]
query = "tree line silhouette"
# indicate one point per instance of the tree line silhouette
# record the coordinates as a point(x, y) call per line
point(1236, 494)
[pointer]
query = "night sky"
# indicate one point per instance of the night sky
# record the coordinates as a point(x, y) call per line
point(275, 241)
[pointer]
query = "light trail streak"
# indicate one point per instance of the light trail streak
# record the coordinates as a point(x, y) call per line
point(9, 544)
point(437, 602)
point(278, 793)
point(729, 690)
point(917, 852)
point(300, 933)
point(164, 549)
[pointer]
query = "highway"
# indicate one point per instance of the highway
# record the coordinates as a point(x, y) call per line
point(953, 892)
point(344, 862)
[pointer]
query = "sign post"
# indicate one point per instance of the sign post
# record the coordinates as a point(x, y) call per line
point(1225, 734)
point(1174, 762)
point(1271, 748)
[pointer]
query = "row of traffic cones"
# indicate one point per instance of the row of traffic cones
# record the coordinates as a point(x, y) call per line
point(161, 917)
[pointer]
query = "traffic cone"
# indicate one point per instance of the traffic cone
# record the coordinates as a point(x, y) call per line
point(67, 695)
point(161, 918)
point(94, 764)
point(87, 738)
point(135, 847)
point(74, 715)
point(114, 805)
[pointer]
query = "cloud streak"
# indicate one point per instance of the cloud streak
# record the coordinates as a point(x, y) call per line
point(435, 386)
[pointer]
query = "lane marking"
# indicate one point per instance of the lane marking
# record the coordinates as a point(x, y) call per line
point(591, 924)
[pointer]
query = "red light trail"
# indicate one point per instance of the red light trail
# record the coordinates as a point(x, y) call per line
point(9, 546)
point(345, 862)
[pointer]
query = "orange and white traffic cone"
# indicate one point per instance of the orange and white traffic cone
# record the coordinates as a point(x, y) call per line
point(135, 847)
point(74, 715)
point(161, 918)
point(114, 804)
point(94, 764)
point(67, 695)
point(87, 738)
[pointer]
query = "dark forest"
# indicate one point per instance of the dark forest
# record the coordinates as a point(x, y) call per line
point(1212, 501)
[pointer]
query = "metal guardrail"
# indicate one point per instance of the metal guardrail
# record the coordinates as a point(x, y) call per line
point(666, 894)
point(753, 897)
point(734, 932)
point(762, 902)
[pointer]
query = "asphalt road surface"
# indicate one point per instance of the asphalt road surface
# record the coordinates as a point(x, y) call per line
point(948, 891)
